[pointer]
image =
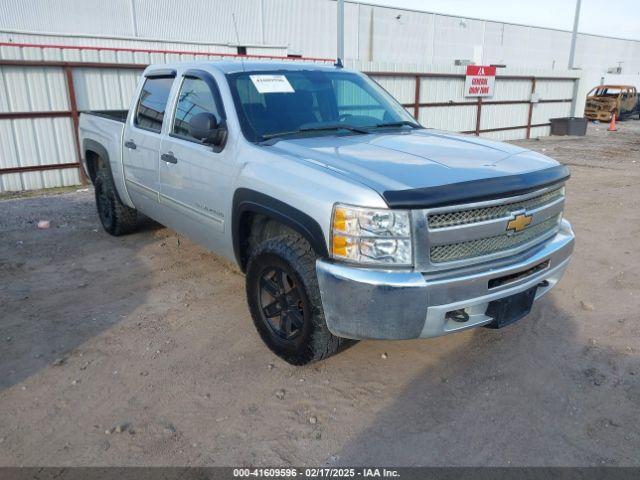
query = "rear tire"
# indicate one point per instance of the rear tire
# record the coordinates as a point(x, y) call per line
point(284, 300)
point(116, 218)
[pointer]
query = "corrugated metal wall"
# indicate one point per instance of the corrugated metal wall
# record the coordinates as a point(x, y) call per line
point(308, 27)
point(133, 43)
point(552, 85)
point(35, 141)
point(42, 141)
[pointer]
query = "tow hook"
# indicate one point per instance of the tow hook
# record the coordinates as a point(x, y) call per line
point(459, 315)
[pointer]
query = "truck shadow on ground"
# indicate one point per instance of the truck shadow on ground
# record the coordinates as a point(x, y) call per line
point(50, 274)
point(532, 393)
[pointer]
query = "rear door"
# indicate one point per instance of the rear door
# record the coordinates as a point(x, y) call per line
point(195, 179)
point(142, 140)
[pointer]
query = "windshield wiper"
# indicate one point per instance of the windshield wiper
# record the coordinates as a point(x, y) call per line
point(401, 123)
point(312, 127)
point(316, 128)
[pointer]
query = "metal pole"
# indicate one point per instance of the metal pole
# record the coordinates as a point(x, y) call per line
point(134, 20)
point(416, 100)
point(262, 29)
point(75, 116)
point(576, 20)
point(340, 58)
point(478, 116)
point(572, 55)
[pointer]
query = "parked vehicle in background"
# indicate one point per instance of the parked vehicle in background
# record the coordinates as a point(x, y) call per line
point(605, 100)
point(349, 219)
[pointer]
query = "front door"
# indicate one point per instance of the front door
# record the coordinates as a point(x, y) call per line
point(195, 179)
point(142, 142)
point(628, 100)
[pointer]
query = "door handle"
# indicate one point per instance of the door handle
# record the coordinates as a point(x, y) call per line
point(168, 157)
point(130, 144)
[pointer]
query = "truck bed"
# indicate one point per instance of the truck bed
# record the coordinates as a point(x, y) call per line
point(117, 115)
point(101, 132)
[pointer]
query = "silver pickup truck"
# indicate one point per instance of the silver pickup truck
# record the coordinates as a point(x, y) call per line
point(348, 218)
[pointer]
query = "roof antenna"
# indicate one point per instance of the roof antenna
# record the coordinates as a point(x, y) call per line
point(235, 27)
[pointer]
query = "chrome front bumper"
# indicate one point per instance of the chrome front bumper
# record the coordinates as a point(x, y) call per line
point(364, 303)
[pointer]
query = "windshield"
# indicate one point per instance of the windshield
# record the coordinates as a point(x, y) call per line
point(272, 104)
point(605, 91)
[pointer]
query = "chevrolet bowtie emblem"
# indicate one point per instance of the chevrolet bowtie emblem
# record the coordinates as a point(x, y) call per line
point(519, 222)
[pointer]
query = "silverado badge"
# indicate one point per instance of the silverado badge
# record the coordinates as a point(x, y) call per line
point(519, 222)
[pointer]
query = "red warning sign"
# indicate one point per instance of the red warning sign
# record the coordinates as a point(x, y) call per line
point(480, 81)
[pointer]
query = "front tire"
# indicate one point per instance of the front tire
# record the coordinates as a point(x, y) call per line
point(284, 300)
point(116, 218)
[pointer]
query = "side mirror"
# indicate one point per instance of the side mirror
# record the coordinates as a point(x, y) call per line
point(205, 127)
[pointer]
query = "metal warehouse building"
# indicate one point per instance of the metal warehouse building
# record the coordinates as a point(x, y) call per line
point(59, 57)
point(308, 27)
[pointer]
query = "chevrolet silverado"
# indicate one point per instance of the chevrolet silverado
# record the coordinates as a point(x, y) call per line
point(348, 218)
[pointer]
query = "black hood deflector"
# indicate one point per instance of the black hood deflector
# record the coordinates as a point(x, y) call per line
point(476, 190)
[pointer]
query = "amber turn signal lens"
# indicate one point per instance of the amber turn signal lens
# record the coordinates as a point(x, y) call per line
point(339, 246)
point(339, 220)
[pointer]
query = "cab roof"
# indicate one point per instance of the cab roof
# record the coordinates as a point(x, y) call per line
point(621, 87)
point(234, 66)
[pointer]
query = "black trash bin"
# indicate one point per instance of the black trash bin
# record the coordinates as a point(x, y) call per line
point(576, 126)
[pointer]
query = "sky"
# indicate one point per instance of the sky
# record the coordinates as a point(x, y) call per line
point(615, 18)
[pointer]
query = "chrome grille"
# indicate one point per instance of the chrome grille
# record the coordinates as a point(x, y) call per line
point(486, 246)
point(474, 215)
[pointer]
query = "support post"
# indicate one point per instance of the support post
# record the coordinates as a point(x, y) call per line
point(478, 116)
point(75, 116)
point(416, 101)
point(572, 56)
point(574, 35)
point(530, 116)
point(340, 22)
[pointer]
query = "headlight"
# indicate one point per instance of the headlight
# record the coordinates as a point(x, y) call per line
point(363, 235)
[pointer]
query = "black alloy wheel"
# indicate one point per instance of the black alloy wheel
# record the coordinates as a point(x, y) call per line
point(284, 300)
point(116, 218)
point(281, 303)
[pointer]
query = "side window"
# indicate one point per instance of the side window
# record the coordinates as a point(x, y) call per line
point(153, 103)
point(356, 103)
point(195, 97)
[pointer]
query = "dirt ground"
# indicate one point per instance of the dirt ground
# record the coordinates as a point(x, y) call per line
point(150, 334)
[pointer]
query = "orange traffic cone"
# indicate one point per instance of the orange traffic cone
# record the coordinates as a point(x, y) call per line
point(612, 124)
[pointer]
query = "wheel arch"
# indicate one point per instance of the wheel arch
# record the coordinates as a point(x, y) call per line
point(247, 203)
point(92, 151)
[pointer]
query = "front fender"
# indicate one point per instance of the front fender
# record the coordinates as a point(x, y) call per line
point(251, 201)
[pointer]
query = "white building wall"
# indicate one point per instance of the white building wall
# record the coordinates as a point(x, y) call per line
point(377, 39)
point(98, 17)
point(308, 27)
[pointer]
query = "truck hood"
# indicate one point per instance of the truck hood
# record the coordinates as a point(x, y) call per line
point(602, 101)
point(414, 160)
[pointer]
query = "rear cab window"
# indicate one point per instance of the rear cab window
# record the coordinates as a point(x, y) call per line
point(152, 103)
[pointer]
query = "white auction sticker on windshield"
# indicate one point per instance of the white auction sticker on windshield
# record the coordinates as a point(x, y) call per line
point(272, 84)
